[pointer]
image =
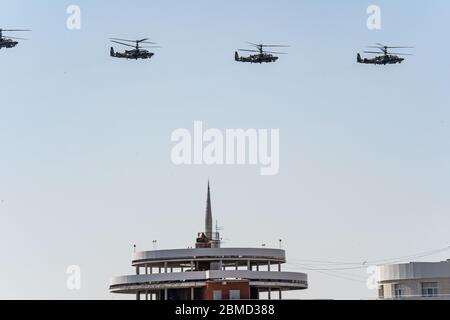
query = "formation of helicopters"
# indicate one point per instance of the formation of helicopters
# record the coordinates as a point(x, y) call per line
point(260, 54)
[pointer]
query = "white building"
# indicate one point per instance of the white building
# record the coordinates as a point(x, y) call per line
point(415, 281)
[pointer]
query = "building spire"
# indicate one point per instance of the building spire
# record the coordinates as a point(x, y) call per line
point(208, 216)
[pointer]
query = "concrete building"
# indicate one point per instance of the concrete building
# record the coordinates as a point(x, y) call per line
point(415, 280)
point(209, 272)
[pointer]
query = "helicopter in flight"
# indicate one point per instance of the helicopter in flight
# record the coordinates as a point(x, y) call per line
point(261, 54)
point(10, 42)
point(386, 57)
point(138, 52)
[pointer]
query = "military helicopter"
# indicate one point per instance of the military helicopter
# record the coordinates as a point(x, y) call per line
point(138, 52)
point(386, 58)
point(10, 42)
point(261, 56)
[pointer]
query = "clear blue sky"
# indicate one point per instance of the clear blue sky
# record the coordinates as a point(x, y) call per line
point(85, 168)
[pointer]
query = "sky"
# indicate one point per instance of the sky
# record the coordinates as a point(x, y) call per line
point(85, 167)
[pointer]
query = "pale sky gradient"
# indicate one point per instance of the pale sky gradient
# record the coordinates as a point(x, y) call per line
point(85, 168)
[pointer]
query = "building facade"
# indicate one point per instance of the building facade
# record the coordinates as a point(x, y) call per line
point(415, 281)
point(209, 272)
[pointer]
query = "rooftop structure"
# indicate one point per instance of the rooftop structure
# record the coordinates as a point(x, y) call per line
point(209, 272)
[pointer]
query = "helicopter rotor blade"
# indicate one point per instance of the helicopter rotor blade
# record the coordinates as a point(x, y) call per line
point(118, 39)
point(15, 30)
point(395, 53)
point(382, 49)
point(382, 46)
point(16, 38)
point(247, 50)
point(124, 44)
point(400, 47)
point(274, 46)
point(275, 52)
point(260, 47)
point(401, 54)
point(145, 41)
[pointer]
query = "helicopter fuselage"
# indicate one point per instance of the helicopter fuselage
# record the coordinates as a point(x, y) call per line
point(132, 54)
point(381, 60)
point(257, 58)
point(8, 43)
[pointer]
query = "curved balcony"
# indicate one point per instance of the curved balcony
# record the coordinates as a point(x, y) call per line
point(241, 256)
point(266, 279)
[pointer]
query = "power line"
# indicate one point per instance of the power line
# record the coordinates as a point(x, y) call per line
point(342, 273)
point(337, 272)
point(364, 264)
point(312, 268)
point(340, 276)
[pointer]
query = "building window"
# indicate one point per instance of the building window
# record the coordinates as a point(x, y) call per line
point(235, 294)
point(399, 291)
point(381, 292)
point(217, 295)
point(430, 289)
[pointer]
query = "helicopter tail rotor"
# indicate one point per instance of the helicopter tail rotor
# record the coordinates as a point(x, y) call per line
point(359, 59)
